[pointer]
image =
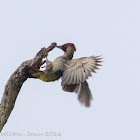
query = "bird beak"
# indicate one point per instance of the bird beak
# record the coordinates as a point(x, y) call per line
point(61, 47)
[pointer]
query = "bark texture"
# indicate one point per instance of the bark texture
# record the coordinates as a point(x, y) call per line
point(15, 82)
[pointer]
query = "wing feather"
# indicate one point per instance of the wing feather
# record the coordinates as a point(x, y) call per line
point(77, 77)
point(87, 72)
point(78, 70)
point(80, 74)
point(71, 77)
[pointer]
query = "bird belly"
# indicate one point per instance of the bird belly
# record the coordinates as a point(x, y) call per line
point(51, 77)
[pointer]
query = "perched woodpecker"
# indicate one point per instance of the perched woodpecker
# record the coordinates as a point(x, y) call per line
point(74, 72)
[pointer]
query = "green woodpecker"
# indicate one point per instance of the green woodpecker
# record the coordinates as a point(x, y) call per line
point(74, 72)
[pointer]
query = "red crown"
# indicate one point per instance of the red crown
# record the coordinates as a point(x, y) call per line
point(71, 44)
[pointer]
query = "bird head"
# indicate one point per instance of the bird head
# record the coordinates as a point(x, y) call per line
point(67, 46)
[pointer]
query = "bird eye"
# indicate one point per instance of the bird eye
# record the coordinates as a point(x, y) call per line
point(65, 47)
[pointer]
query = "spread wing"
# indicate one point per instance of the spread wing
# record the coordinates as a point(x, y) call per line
point(78, 70)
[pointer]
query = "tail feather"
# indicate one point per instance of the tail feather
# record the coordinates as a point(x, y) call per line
point(84, 95)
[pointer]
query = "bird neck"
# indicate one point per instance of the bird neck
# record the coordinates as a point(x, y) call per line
point(68, 55)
